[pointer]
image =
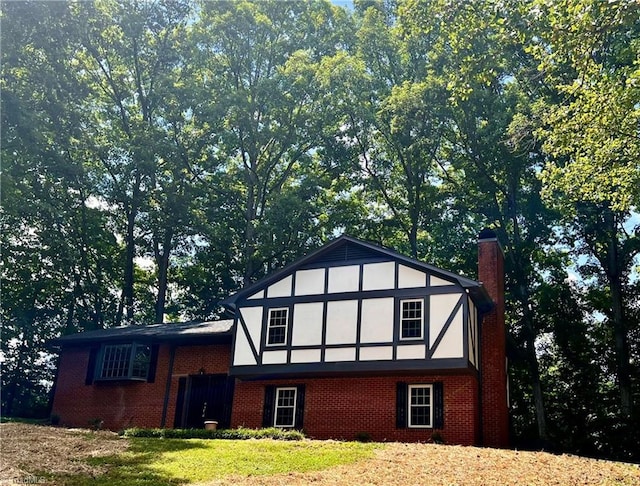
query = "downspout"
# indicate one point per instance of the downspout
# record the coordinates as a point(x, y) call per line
point(480, 427)
point(167, 390)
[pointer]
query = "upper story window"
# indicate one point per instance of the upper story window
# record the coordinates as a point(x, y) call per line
point(411, 319)
point(420, 406)
point(125, 361)
point(277, 326)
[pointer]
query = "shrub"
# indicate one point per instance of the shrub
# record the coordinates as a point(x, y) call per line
point(437, 438)
point(363, 437)
point(237, 434)
point(95, 423)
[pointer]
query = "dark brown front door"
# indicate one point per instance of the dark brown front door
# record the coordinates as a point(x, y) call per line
point(207, 397)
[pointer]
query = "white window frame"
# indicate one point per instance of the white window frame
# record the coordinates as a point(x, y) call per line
point(276, 407)
point(410, 406)
point(269, 326)
point(402, 319)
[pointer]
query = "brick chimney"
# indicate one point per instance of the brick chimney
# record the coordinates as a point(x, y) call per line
point(494, 408)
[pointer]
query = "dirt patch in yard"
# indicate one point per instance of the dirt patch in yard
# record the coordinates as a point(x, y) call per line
point(26, 448)
point(420, 464)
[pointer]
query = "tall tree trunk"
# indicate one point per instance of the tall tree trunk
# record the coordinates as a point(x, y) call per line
point(127, 289)
point(130, 251)
point(250, 216)
point(520, 266)
point(618, 315)
point(536, 385)
point(162, 260)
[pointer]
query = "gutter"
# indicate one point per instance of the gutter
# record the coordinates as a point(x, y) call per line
point(167, 390)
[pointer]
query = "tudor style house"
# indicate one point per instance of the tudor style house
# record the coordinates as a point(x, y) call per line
point(352, 339)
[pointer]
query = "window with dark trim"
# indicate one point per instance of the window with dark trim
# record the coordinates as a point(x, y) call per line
point(277, 326)
point(420, 401)
point(411, 318)
point(283, 406)
point(420, 405)
point(124, 362)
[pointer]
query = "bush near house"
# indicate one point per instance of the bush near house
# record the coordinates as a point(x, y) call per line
point(240, 433)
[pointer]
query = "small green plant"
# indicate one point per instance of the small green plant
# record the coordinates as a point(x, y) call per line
point(437, 438)
point(96, 423)
point(363, 437)
point(240, 433)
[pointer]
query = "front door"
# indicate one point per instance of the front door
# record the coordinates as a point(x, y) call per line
point(208, 397)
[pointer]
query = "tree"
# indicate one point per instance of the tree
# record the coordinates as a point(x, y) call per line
point(146, 133)
point(588, 51)
point(260, 57)
point(59, 252)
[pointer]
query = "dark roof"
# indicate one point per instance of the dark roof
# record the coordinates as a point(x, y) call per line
point(179, 331)
point(328, 251)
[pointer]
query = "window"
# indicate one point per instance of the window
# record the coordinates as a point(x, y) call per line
point(283, 406)
point(277, 326)
point(411, 321)
point(420, 405)
point(285, 409)
point(125, 361)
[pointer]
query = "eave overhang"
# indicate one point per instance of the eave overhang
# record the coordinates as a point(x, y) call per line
point(475, 289)
point(213, 332)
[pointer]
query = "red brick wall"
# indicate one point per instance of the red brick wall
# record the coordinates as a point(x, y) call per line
point(334, 407)
point(340, 408)
point(129, 404)
point(118, 404)
point(495, 422)
point(189, 360)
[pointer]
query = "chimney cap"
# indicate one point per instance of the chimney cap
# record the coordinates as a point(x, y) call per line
point(487, 234)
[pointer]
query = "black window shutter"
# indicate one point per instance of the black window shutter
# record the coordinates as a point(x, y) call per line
point(228, 402)
point(267, 411)
point(401, 405)
point(91, 367)
point(182, 386)
point(153, 363)
point(298, 424)
point(438, 405)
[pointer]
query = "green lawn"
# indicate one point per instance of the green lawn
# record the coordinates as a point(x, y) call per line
point(182, 461)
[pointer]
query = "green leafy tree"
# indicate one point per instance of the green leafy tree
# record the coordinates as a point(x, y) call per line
point(260, 57)
point(588, 52)
point(59, 254)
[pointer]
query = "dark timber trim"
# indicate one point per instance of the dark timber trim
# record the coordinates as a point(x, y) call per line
point(243, 324)
point(446, 326)
point(384, 254)
point(365, 294)
point(348, 366)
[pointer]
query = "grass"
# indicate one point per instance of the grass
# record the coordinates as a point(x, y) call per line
point(164, 462)
point(55, 455)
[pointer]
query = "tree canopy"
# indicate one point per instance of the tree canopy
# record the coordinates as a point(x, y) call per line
point(157, 156)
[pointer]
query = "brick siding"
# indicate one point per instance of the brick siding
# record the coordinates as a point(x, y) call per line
point(495, 413)
point(340, 408)
point(129, 404)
